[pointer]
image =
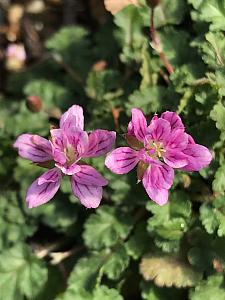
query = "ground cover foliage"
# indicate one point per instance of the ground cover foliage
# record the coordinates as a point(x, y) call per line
point(129, 247)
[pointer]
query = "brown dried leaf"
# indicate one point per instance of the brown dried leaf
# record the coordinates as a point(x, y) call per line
point(169, 271)
point(114, 6)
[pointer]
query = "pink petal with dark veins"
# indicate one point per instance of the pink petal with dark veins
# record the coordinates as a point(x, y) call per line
point(43, 188)
point(122, 160)
point(34, 148)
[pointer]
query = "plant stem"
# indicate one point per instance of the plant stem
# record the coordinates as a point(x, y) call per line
point(155, 43)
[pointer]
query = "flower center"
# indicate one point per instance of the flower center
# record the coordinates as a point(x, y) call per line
point(71, 154)
point(156, 149)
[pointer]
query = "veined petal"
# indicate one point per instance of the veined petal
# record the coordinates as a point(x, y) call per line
point(198, 157)
point(158, 175)
point(122, 160)
point(174, 120)
point(33, 147)
point(190, 139)
point(160, 196)
point(138, 124)
point(100, 142)
point(130, 129)
point(49, 176)
point(58, 138)
point(178, 140)
point(59, 143)
point(39, 194)
point(89, 176)
point(78, 139)
point(175, 158)
point(73, 117)
point(89, 195)
point(160, 130)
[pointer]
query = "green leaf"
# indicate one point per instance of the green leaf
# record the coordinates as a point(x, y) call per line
point(106, 227)
point(129, 34)
point(213, 11)
point(101, 83)
point(51, 93)
point(169, 222)
point(38, 122)
point(21, 273)
point(168, 12)
point(15, 225)
point(71, 46)
point(83, 277)
point(115, 262)
point(208, 218)
point(104, 293)
point(169, 271)
point(139, 243)
point(219, 180)
point(152, 292)
point(148, 99)
point(202, 257)
point(176, 46)
point(218, 115)
point(88, 271)
point(213, 216)
point(101, 292)
point(212, 49)
point(211, 289)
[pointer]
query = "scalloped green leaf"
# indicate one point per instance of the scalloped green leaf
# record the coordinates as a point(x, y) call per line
point(210, 289)
point(106, 227)
point(21, 273)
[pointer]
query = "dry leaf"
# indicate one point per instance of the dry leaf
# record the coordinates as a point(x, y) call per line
point(169, 271)
point(114, 6)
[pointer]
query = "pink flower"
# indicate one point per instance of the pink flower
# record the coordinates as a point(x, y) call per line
point(64, 151)
point(16, 51)
point(157, 149)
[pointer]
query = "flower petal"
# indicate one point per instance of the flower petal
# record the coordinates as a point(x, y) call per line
point(178, 140)
point(160, 196)
point(73, 117)
point(198, 157)
point(89, 195)
point(174, 120)
point(78, 139)
point(160, 130)
point(49, 176)
point(100, 142)
point(33, 147)
point(39, 194)
point(159, 175)
point(122, 160)
point(175, 158)
point(59, 143)
point(89, 176)
point(138, 124)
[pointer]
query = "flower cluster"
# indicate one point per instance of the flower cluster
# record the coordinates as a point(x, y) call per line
point(156, 149)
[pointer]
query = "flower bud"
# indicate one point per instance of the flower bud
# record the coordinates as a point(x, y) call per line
point(34, 103)
point(99, 66)
point(153, 3)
